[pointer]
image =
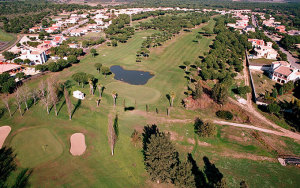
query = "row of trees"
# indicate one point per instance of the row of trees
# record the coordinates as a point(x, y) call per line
point(168, 27)
point(119, 29)
point(49, 93)
point(59, 65)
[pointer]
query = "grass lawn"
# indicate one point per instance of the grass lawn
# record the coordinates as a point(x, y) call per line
point(97, 168)
point(41, 146)
point(261, 61)
point(6, 37)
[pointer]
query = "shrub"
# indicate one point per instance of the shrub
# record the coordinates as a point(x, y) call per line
point(224, 114)
point(204, 129)
point(243, 90)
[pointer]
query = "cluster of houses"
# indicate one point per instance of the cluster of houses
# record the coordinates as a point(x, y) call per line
point(262, 50)
point(242, 21)
point(277, 25)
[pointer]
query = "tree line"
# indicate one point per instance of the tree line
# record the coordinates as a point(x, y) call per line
point(119, 29)
point(168, 26)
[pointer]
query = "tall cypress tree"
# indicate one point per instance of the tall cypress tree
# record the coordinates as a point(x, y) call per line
point(161, 158)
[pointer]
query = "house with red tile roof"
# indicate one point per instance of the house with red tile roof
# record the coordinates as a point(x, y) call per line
point(283, 72)
point(280, 28)
point(11, 68)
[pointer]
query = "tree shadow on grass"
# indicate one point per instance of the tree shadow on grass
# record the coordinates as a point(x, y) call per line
point(199, 175)
point(76, 107)
point(116, 125)
point(61, 106)
point(129, 108)
point(169, 98)
point(148, 132)
point(213, 175)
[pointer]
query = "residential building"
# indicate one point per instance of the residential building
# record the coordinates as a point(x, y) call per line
point(249, 28)
point(37, 56)
point(294, 32)
point(283, 72)
point(280, 29)
point(262, 50)
point(11, 68)
point(34, 29)
point(73, 45)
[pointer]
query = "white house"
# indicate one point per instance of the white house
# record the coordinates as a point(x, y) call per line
point(283, 72)
point(36, 56)
point(73, 45)
point(72, 20)
point(249, 28)
point(78, 94)
point(262, 50)
point(101, 16)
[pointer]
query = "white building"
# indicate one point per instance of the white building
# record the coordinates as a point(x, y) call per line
point(78, 94)
point(262, 50)
point(36, 56)
point(283, 72)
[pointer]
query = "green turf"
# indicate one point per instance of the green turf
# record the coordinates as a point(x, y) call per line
point(35, 146)
point(6, 37)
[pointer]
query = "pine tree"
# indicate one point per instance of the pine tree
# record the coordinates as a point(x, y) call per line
point(184, 176)
point(161, 158)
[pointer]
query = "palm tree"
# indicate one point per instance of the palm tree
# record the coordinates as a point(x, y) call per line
point(91, 86)
point(100, 88)
point(172, 96)
point(114, 95)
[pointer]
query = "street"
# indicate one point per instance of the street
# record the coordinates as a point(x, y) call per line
point(294, 61)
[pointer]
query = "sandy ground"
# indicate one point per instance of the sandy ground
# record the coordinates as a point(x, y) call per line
point(78, 146)
point(4, 132)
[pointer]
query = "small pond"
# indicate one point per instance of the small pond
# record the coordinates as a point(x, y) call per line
point(133, 77)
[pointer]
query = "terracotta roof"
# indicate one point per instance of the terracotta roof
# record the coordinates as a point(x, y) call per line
point(5, 67)
point(284, 63)
point(284, 70)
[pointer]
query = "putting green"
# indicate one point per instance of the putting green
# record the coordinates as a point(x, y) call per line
point(35, 146)
point(142, 94)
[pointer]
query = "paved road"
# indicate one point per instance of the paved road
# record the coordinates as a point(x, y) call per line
point(294, 61)
point(67, 31)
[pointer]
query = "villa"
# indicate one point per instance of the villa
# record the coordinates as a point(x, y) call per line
point(283, 72)
point(36, 56)
point(262, 50)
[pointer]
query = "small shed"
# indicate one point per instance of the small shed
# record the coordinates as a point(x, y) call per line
point(78, 94)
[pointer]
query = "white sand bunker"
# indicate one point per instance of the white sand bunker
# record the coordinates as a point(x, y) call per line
point(78, 146)
point(4, 132)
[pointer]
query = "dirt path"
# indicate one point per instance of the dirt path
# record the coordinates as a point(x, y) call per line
point(247, 83)
point(154, 118)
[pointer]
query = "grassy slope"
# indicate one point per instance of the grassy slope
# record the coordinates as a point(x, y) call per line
point(6, 37)
point(125, 169)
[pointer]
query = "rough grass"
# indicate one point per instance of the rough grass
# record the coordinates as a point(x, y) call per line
point(6, 37)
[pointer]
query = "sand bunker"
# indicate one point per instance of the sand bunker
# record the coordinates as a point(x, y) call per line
point(78, 146)
point(4, 132)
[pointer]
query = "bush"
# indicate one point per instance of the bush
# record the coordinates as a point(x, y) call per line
point(224, 114)
point(204, 129)
point(243, 90)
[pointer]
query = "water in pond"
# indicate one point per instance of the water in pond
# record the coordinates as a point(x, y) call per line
point(133, 77)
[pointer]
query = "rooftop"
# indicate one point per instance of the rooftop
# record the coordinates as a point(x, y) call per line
point(5, 67)
point(284, 70)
